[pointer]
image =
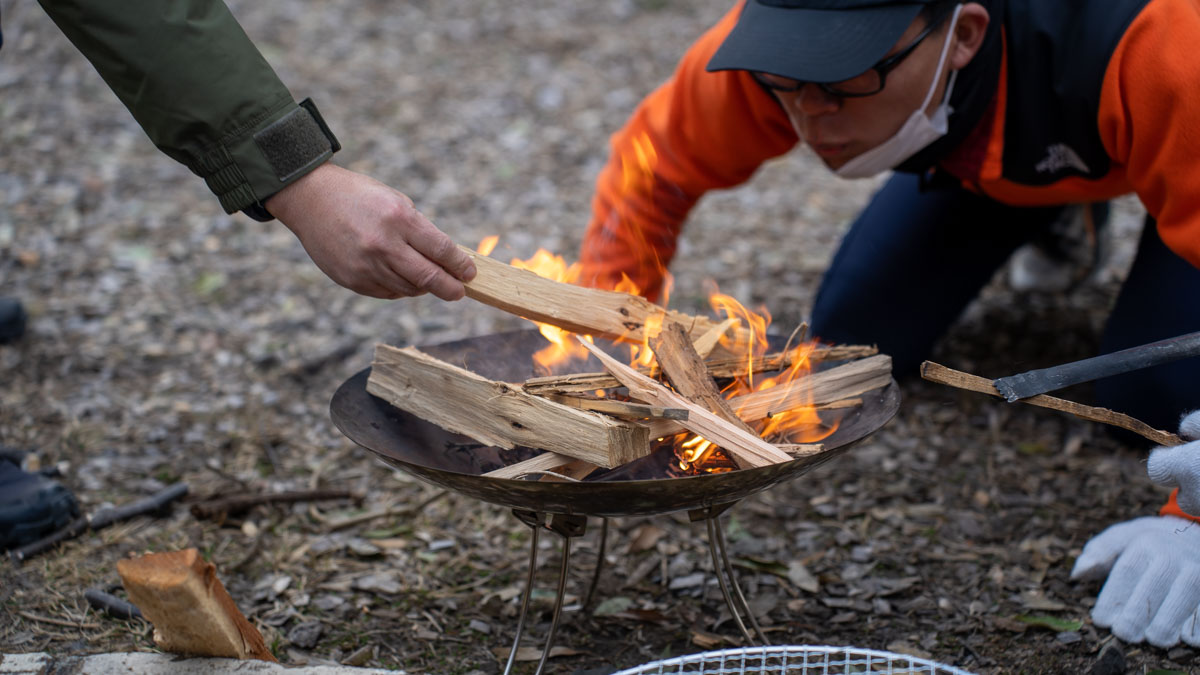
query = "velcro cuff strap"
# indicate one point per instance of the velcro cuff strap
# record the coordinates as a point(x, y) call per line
point(296, 142)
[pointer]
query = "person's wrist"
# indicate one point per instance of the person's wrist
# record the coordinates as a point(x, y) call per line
point(282, 204)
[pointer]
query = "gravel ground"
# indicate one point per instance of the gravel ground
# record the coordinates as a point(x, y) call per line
point(170, 342)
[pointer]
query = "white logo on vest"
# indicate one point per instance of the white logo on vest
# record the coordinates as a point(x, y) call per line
point(1060, 156)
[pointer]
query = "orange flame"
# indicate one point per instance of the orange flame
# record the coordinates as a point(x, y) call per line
point(800, 424)
point(638, 179)
point(563, 347)
point(488, 244)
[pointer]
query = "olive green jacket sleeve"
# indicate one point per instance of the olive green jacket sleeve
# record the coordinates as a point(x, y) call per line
point(202, 91)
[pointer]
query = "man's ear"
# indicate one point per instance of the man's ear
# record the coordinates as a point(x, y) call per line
point(968, 33)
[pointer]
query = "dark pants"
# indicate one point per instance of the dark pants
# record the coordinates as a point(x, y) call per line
point(913, 261)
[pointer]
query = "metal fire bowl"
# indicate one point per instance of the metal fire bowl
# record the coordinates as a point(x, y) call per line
point(641, 487)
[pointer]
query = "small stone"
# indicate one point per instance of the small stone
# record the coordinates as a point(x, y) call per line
point(363, 548)
point(1069, 637)
point(359, 656)
point(480, 626)
point(1110, 662)
point(306, 635)
point(688, 581)
point(803, 579)
point(378, 583)
point(327, 603)
point(1180, 654)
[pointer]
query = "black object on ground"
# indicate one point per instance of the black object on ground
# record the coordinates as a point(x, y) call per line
point(111, 605)
point(154, 504)
point(12, 320)
point(31, 505)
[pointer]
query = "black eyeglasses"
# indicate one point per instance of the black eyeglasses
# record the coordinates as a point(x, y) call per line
point(867, 84)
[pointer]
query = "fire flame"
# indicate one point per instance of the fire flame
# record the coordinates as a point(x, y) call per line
point(563, 347)
point(801, 424)
point(748, 340)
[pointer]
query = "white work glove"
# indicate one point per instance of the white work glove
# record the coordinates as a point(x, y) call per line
point(1153, 586)
point(1179, 466)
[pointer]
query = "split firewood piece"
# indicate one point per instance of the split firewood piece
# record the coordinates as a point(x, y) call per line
point(840, 405)
point(575, 470)
point(935, 372)
point(746, 449)
point(724, 367)
point(623, 409)
point(820, 390)
point(547, 461)
point(708, 341)
point(587, 311)
point(686, 371)
point(824, 387)
point(191, 611)
point(799, 450)
point(499, 414)
point(736, 366)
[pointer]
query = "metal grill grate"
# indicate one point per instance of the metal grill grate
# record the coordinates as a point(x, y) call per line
point(795, 660)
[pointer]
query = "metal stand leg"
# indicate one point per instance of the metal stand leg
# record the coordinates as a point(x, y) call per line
point(512, 655)
point(567, 527)
point(723, 568)
point(737, 588)
point(587, 602)
point(558, 602)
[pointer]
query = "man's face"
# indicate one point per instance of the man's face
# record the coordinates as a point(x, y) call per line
point(839, 129)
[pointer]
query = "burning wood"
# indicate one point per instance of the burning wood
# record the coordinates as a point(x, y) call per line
point(587, 311)
point(746, 448)
point(624, 409)
point(496, 413)
point(827, 388)
point(722, 367)
point(685, 368)
point(581, 430)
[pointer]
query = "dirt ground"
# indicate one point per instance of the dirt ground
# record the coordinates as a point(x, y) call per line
point(170, 342)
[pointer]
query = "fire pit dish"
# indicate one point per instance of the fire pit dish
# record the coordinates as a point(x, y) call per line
point(641, 487)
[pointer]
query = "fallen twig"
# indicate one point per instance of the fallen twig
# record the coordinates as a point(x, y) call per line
point(103, 518)
point(56, 622)
point(228, 506)
point(367, 517)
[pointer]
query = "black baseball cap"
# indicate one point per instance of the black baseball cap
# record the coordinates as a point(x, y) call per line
point(815, 40)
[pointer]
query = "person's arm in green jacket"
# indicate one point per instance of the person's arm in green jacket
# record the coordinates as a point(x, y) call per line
point(206, 97)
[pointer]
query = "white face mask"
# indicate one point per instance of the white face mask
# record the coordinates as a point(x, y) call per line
point(916, 134)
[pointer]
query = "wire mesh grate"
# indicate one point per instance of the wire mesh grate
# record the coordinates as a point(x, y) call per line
point(795, 660)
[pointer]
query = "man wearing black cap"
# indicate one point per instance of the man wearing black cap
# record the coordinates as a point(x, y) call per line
point(996, 115)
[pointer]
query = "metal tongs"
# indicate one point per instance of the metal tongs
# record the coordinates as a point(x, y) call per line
point(1041, 381)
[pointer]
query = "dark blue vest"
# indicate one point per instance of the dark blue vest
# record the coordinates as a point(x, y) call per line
point(1058, 52)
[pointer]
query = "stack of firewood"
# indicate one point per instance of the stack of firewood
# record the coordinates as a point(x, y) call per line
point(581, 431)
